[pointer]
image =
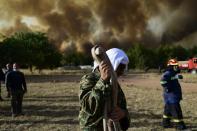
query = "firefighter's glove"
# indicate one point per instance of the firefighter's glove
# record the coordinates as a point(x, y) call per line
point(180, 76)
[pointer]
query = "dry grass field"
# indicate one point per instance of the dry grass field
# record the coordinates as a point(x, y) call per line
point(51, 103)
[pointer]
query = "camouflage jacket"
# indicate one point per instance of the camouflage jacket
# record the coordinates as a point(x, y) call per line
point(93, 91)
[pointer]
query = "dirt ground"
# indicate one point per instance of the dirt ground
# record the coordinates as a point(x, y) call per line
point(51, 103)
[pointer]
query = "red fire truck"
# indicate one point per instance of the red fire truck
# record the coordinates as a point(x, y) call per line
point(190, 65)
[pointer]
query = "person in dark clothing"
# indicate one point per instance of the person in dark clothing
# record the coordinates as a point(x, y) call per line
point(172, 96)
point(2, 78)
point(8, 69)
point(15, 81)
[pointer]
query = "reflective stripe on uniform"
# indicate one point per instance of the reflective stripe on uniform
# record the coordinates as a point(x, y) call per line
point(174, 78)
point(177, 120)
point(163, 82)
point(164, 116)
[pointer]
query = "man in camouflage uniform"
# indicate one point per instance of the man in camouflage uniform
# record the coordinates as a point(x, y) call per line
point(95, 87)
point(15, 81)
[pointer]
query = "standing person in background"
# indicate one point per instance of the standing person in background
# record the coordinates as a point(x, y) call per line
point(8, 69)
point(172, 96)
point(95, 87)
point(2, 78)
point(15, 81)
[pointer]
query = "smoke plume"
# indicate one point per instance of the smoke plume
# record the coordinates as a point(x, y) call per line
point(116, 23)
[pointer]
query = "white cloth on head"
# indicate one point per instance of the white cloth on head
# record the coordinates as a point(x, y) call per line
point(116, 57)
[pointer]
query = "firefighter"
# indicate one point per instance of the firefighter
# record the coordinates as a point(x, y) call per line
point(8, 69)
point(172, 96)
point(15, 81)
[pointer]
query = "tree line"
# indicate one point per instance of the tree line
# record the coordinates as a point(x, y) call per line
point(142, 57)
point(29, 49)
point(33, 49)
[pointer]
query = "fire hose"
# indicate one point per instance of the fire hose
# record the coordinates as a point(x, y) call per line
point(100, 55)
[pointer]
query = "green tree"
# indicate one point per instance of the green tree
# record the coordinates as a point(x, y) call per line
point(72, 57)
point(179, 52)
point(141, 57)
point(31, 49)
point(13, 50)
point(193, 52)
point(163, 54)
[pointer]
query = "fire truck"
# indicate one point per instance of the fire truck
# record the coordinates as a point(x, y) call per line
point(190, 65)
